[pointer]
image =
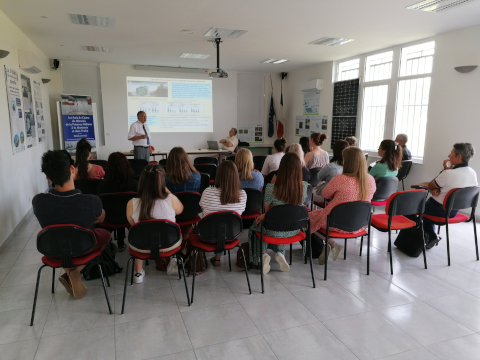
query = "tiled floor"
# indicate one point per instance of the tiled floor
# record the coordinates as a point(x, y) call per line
point(414, 314)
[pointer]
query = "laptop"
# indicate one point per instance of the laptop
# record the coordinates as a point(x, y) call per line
point(213, 145)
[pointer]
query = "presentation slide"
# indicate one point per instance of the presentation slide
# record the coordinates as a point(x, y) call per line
point(171, 105)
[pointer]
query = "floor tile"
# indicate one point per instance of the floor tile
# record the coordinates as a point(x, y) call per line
point(23, 350)
point(415, 354)
point(342, 271)
point(22, 275)
point(458, 276)
point(308, 342)
point(299, 277)
point(28, 231)
point(252, 348)
point(370, 336)
point(29, 257)
point(145, 339)
point(237, 283)
point(15, 324)
point(21, 297)
point(465, 348)
point(8, 259)
point(16, 244)
point(31, 244)
point(218, 324)
point(184, 355)
point(3, 274)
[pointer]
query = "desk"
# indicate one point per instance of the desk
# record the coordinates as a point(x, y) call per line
point(164, 154)
point(423, 185)
point(268, 147)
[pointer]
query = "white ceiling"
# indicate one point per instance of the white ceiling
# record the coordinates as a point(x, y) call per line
point(148, 32)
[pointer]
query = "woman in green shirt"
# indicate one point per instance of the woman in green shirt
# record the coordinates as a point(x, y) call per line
point(391, 160)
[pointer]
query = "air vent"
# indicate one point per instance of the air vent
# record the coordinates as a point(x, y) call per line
point(97, 48)
point(194, 56)
point(438, 5)
point(103, 21)
point(29, 62)
point(328, 41)
point(274, 61)
point(224, 33)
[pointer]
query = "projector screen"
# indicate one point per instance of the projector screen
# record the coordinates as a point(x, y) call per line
point(171, 105)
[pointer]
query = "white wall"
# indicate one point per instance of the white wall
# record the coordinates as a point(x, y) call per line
point(20, 176)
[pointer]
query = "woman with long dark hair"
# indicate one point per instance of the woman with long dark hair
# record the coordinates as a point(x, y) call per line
point(317, 157)
point(181, 174)
point(305, 144)
point(83, 169)
point(391, 160)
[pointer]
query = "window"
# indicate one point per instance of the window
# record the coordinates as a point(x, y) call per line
point(417, 59)
point(379, 66)
point(373, 116)
point(348, 70)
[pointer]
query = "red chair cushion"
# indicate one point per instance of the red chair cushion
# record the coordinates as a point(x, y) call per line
point(76, 261)
point(212, 182)
point(252, 215)
point(190, 221)
point(153, 162)
point(321, 204)
point(337, 234)
point(440, 220)
point(379, 203)
point(145, 256)
point(198, 243)
point(380, 222)
point(281, 241)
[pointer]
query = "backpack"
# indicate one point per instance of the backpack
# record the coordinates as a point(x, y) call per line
point(91, 271)
point(410, 241)
point(240, 264)
point(189, 259)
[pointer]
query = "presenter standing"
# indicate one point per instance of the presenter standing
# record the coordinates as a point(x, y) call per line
point(139, 134)
point(230, 142)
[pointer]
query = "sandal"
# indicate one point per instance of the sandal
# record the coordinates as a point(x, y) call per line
point(122, 248)
point(214, 261)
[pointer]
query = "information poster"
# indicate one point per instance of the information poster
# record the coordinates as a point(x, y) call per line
point(17, 125)
point(29, 115)
point(251, 133)
point(306, 125)
point(37, 96)
point(311, 103)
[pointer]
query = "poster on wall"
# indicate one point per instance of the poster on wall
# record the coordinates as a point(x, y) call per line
point(77, 121)
point(37, 96)
point(306, 125)
point(250, 134)
point(28, 114)
point(17, 126)
point(311, 103)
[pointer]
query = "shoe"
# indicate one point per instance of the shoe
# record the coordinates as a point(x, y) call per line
point(79, 290)
point(138, 277)
point(266, 263)
point(321, 258)
point(432, 242)
point(280, 258)
point(172, 268)
point(65, 281)
point(337, 250)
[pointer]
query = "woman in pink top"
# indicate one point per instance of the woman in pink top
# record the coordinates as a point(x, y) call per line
point(355, 184)
point(83, 169)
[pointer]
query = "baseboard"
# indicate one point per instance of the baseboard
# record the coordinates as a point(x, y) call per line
point(10, 237)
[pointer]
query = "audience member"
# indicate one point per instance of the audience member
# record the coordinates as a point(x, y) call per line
point(249, 178)
point(65, 205)
point(401, 140)
point(305, 144)
point(181, 174)
point(273, 161)
point(69, 157)
point(288, 189)
point(297, 149)
point(83, 169)
point(230, 143)
point(355, 184)
point(225, 196)
point(390, 162)
point(317, 157)
point(351, 140)
point(154, 201)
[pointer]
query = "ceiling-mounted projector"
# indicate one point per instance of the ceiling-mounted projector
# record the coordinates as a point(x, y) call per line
point(218, 73)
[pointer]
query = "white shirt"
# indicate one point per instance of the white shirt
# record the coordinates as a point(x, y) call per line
point(210, 202)
point(136, 129)
point(454, 178)
point(162, 209)
point(272, 162)
point(233, 140)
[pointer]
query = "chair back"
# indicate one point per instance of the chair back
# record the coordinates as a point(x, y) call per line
point(286, 218)
point(162, 162)
point(102, 163)
point(254, 200)
point(231, 158)
point(220, 227)
point(350, 216)
point(408, 202)
point(65, 241)
point(308, 199)
point(404, 170)
point(138, 165)
point(191, 204)
point(115, 205)
point(269, 177)
point(258, 161)
point(462, 198)
point(386, 186)
point(313, 176)
point(366, 157)
point(210, 169)
point(89, 186)
point(204, 182)
point(153, 235)
point(205, 160)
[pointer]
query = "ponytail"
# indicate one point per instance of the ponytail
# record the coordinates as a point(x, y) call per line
point(393, 154)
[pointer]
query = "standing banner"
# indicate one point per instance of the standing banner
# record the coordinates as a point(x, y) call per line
point(37, 96)
point(77, 121)
point(29, 115)
point(17, 126)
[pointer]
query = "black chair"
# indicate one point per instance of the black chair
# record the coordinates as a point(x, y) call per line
point(349, 217)
point(89, 186)
point(404, 171)
point(67, 246)
point(399, 204)
point(366, 157)
point(204, 182)
point(386, 186)
point(114, 205)
point(269, 178)
point(231, 158)
point(218, 232)
point(162, 162)
point(191, 208)
point(458, 199)
point(253, 208)
point(309, 199)
point(138, 165)
point(210, 169)
point(154, 235)
point(102, 163)
point(286, 218)
point(205, 160)
point(313, 176)
point(258, 161)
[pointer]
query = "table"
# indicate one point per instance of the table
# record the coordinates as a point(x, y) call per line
point(268, 147)
point(164, 154)
point(423, 185)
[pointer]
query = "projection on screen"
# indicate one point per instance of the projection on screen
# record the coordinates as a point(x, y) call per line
point(172, 105)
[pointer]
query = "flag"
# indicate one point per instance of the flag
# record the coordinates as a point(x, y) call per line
point(271, 118)
point(279, 123)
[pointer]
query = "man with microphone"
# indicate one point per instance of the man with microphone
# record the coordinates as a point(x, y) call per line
point(139, 134)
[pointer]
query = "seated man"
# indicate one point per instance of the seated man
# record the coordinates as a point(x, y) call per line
point(231, 142)
point(401, 140)
point(456, 174)
point(65, 205)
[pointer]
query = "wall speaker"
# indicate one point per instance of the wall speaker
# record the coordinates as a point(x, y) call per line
point(54, 64)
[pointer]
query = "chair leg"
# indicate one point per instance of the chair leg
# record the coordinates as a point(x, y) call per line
point(53, 281)
point(306, 252)
point(261, 266)
point(179, 275)
point(345, 250)
point(438, 232)
point(105, 289)
point(424, 249)
point(403, 185)
point(36, 294)
point(448, 243)
point(194, 271)
point(147, 263)
point(291, 250)
point(133, 272)
point(246, 271)
point(361, 246)
point(180, 265)
point(368, 252)
point(390, 250)
point(311, 264)
point(125, 285)
point(229, 261)
point(105, 270)
point(327, 254)
point(475, 233)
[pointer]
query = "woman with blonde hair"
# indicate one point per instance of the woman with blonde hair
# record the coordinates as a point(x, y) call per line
point(318, 157)
point(181, 174)
point(297, 149)
point(355, 184)
point(249, 178)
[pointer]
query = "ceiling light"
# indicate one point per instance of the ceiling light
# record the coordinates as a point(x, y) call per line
point(224, 33)
point(188, 32)
point(268, 61)
point(280, 61)
point(329, 41)
point(437, 5)
point(103, 21)
point(43, 17)
point(97, 48)
point(194, 56)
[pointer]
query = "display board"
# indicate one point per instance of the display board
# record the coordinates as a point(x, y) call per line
point(345, 106)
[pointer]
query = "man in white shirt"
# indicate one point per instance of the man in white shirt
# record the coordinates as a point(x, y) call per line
point(231, 142)
point(139, 135)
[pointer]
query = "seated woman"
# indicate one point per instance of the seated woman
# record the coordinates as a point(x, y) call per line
point(305, 144)
point(225, 196)
point(154, 202)
point(391, 160)
point(297, 149)
point(273, 161)
point(83, 169)
point(351, 140)
point(249, 178)
point(355, 184)
point(288, 189)
point(317, 157)
point(118, 179)
point(181, 174)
